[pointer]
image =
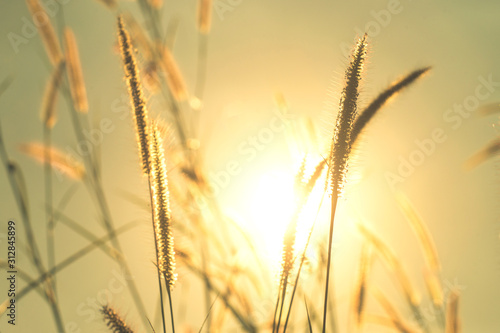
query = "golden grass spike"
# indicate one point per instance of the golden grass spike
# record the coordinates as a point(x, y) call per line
point(488, 109)
point(434, 287)
point(161, 208)
point(136, 96)
point(58, 160)
point(114, 321)
point(175, 79)
point(281, 103)
point(422, 233)
point(490, 151)
point(359, 295)
point(46, 30)
point(318, 170)
point(75, 73)
point(396, 318)
point(452, 318)
point(204, 16)
point(156, 3)
point(341, 142)
point(393, 263)
point(288, 256)
point(49, 105)
point(299, 178)
point(381, 247)
point(369, 112)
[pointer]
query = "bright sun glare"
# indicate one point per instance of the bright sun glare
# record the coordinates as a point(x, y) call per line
point(272, 197)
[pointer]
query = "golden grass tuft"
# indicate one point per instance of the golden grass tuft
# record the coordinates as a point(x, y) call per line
point(395, 317)
point(156, 4)
point(49, 104)
point(422, 233)
point(175, 79)
point(75, 73)
point(161, 208)
point(46, 30)
point(383, 98)
point(114, 321)
point(58, 160)
point(140, 112)
point(490, 151)
point(359, 295)
point(393, 263)
point(204, 16)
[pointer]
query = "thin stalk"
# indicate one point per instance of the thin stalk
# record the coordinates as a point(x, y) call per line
point(308, 316)
point(276, 310)
point(94, 186)
point(170, 304)
point(49, 203)
point(16, 185)
point(283, 295)
point(301, 264)
point(330, 241)
point(70, 260)
point(157, 262)
point(204, 255)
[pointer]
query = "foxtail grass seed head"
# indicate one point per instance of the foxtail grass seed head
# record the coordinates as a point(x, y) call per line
point(488, 152)
point(318, 170)
point(49, 105)
point(75, 72)
point(156, 4)
point(369, 112)
point(393, 263)
point(394, 315)
point(287, 257)
point(140, 112)
point(299, 178)
point(175, 79)
point(423, 234)
point(46, 30)
point(58, 160)
point(361, 287)
point(341, 142)
point(161, 208)
point(204, 16)
point(114, 321)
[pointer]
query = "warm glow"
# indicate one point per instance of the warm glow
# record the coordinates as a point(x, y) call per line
point(272, 198)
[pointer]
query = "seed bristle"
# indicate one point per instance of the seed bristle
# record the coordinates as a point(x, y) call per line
point(75, 73)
